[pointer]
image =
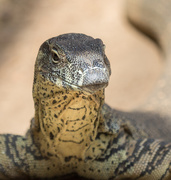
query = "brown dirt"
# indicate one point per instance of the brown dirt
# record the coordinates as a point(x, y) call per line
point(134, 59)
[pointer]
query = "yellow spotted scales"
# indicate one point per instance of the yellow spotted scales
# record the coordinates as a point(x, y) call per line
point(73, 133)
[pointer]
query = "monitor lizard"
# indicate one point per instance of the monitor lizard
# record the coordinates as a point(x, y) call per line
point(73, 130)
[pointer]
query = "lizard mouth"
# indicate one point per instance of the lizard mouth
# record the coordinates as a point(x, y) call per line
point(94, 87)
point(90, 88)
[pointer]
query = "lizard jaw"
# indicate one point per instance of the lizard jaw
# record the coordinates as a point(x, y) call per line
point(95, 87)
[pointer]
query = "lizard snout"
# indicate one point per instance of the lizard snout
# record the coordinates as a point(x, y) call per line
point(95, 79)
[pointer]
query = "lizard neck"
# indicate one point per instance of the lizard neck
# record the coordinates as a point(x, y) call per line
point(68, 121)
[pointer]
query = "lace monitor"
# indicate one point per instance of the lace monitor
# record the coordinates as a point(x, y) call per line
point(73, 131)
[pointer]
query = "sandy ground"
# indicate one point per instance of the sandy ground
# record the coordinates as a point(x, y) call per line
point(135, 60)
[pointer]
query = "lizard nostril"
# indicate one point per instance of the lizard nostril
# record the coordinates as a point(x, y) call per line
point(98, 63)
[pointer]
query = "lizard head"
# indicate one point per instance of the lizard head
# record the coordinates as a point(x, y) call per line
point(74, 61)
point(71, 72)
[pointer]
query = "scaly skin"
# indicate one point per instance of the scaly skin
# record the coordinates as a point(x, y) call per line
point(73, 131)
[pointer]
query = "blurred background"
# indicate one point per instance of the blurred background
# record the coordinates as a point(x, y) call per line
point(24, 25)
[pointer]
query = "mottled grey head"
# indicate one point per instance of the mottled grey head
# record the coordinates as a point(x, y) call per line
point(76, 60)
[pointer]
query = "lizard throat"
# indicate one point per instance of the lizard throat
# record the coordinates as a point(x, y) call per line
point(69, 121)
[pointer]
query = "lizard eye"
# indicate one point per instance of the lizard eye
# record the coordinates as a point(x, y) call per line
point(55, 57)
